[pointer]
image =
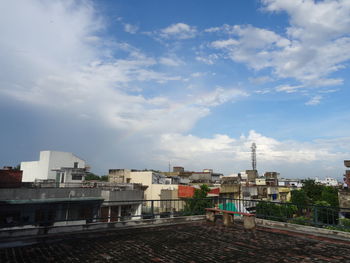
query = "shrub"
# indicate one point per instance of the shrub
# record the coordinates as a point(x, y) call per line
point(277, 212)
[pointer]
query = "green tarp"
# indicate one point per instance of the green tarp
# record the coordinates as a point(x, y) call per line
point(229, 207)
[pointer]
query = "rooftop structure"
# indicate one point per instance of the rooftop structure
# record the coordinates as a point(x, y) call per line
point(191, 242)
point(10, 177)
point(48, 164)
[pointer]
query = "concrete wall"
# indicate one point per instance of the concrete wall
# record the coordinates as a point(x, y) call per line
point(229, 188)
point(201, 176)
point(31, 171)
point(48, 161)
point(122, 195)
point(260, 181)
point(141, 177)
point(146, 178)
point(43, 193)
point(118, 175)
point(344, 200)
point(153, 192)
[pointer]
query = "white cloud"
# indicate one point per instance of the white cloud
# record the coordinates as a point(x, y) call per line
point(198, 74)
point(288, 88)
point(314, 100)
point(178, 31)
point(261, 80)
point(59, 70)
point(224, 43)
point(316, 43)
point(220, 96)
point(53, 57)
point(132, 29)
point(225, 153)
point(207, 59)
point(171, 61)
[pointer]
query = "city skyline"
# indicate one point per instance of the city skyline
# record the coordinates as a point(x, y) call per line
point(139, 84)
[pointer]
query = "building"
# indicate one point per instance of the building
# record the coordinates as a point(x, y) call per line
point(294, 183)
point(230, 187)
point(271, 178)
point(207, 177)
point(48, 164)
point(67, 206)
point(328, 181)
point(70, 177)
point(10, 177)
point(260, 181)
point(155, 181)
point(248, 176)
point(347, 174)
point(119, 176)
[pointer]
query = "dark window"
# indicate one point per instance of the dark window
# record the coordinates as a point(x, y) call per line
point(76, 165)
point(77, 176)
point(62, 177)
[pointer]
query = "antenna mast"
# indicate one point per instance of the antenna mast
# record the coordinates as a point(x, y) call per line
point(253, 155)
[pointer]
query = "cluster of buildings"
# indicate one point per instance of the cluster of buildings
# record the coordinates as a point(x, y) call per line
point(54, 189)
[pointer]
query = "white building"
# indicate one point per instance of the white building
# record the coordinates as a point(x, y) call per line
point(48, 164)
point(327, 181)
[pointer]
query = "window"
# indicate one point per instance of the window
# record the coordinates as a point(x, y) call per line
point(62, 177)
point(77, 177)
point(75, 164)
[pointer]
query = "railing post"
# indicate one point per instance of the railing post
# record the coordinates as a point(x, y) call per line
point(315, 215)
point(152, 208)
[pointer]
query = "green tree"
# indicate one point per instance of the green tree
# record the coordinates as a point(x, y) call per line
point(197, 204)
point(330, 195)
point(301, 200)
point(91, 176)
point(104, 178)
point(312, 189)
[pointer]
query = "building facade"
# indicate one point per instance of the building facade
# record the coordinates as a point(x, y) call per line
point(48, 164)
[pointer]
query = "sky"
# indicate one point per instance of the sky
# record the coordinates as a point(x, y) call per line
point(141, 84)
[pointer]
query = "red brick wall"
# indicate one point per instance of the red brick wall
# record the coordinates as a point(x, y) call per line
point(185, 191)
point(10, 178)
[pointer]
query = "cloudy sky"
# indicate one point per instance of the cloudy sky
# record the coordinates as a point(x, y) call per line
point(139, 84)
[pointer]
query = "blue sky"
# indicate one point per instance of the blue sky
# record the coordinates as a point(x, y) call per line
point(139, 84)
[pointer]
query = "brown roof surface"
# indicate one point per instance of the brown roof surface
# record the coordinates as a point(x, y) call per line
point(194, 242)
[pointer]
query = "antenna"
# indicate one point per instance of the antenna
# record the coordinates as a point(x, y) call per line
point(253, 155)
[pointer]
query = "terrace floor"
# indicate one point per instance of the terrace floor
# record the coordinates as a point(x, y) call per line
point(194, 242)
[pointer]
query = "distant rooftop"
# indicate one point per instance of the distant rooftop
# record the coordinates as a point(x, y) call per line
point(194, 242)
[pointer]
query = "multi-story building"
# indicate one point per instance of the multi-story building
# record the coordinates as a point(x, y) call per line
point(271, 178)
point(230, 187)
point(153, 180)
point(49, 165)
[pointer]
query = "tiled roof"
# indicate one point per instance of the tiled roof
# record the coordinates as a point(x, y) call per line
point(194, 242)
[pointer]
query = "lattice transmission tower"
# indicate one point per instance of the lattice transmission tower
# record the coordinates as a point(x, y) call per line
point(253, 155)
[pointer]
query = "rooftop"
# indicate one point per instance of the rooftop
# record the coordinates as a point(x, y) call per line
point(192, 242)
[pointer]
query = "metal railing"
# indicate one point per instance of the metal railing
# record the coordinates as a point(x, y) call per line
point(113, 211)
